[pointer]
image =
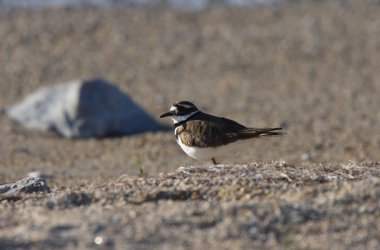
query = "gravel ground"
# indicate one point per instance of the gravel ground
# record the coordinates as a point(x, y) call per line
point(311, 67)
point(240, 206)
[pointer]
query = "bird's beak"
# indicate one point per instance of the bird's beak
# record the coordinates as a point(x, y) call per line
point(170, 113)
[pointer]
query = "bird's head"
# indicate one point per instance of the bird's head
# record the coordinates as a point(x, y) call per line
point(181, 111)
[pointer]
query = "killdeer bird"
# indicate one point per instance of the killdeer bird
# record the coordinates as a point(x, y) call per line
point(206, 137)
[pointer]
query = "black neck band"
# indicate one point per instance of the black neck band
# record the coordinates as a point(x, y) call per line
point(182, 122)
point(179, 123)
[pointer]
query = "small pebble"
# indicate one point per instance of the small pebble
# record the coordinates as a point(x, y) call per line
point(98, 240)
point(306, 157)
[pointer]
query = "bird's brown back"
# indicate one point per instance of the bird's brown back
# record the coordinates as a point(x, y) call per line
point(204, 130)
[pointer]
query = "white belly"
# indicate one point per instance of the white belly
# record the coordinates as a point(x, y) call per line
point(218, 153)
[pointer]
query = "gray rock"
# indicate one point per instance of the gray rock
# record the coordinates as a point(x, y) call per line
point(26, 185)
point(82, 109)
point(38, 174)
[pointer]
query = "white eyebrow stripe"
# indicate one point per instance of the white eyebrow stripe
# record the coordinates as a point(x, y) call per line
point(181, 118)
point(185, 106)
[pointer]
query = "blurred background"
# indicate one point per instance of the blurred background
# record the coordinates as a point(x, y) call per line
point(309, 66)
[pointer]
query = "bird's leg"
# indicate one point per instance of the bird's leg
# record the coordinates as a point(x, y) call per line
point(214, 161)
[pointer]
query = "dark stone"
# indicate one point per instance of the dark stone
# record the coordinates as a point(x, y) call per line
point(14, 191)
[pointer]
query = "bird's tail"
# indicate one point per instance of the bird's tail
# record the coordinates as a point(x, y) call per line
point(258, 132)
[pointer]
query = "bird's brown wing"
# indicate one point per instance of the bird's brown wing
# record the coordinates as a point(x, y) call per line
point(217, 131)
point(198, 133)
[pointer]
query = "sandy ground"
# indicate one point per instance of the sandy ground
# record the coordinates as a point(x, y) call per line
point(241, 206)
point(312, 68)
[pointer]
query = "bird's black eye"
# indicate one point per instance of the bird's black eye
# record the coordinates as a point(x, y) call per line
point(184, 108)
point(180, 109)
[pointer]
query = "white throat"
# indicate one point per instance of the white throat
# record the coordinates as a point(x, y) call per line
point(181, 118)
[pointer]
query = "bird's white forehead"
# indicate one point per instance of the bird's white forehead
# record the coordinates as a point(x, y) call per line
point(173, 108)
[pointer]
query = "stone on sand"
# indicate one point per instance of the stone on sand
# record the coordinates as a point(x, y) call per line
point(83, 109)
point(27, 185)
